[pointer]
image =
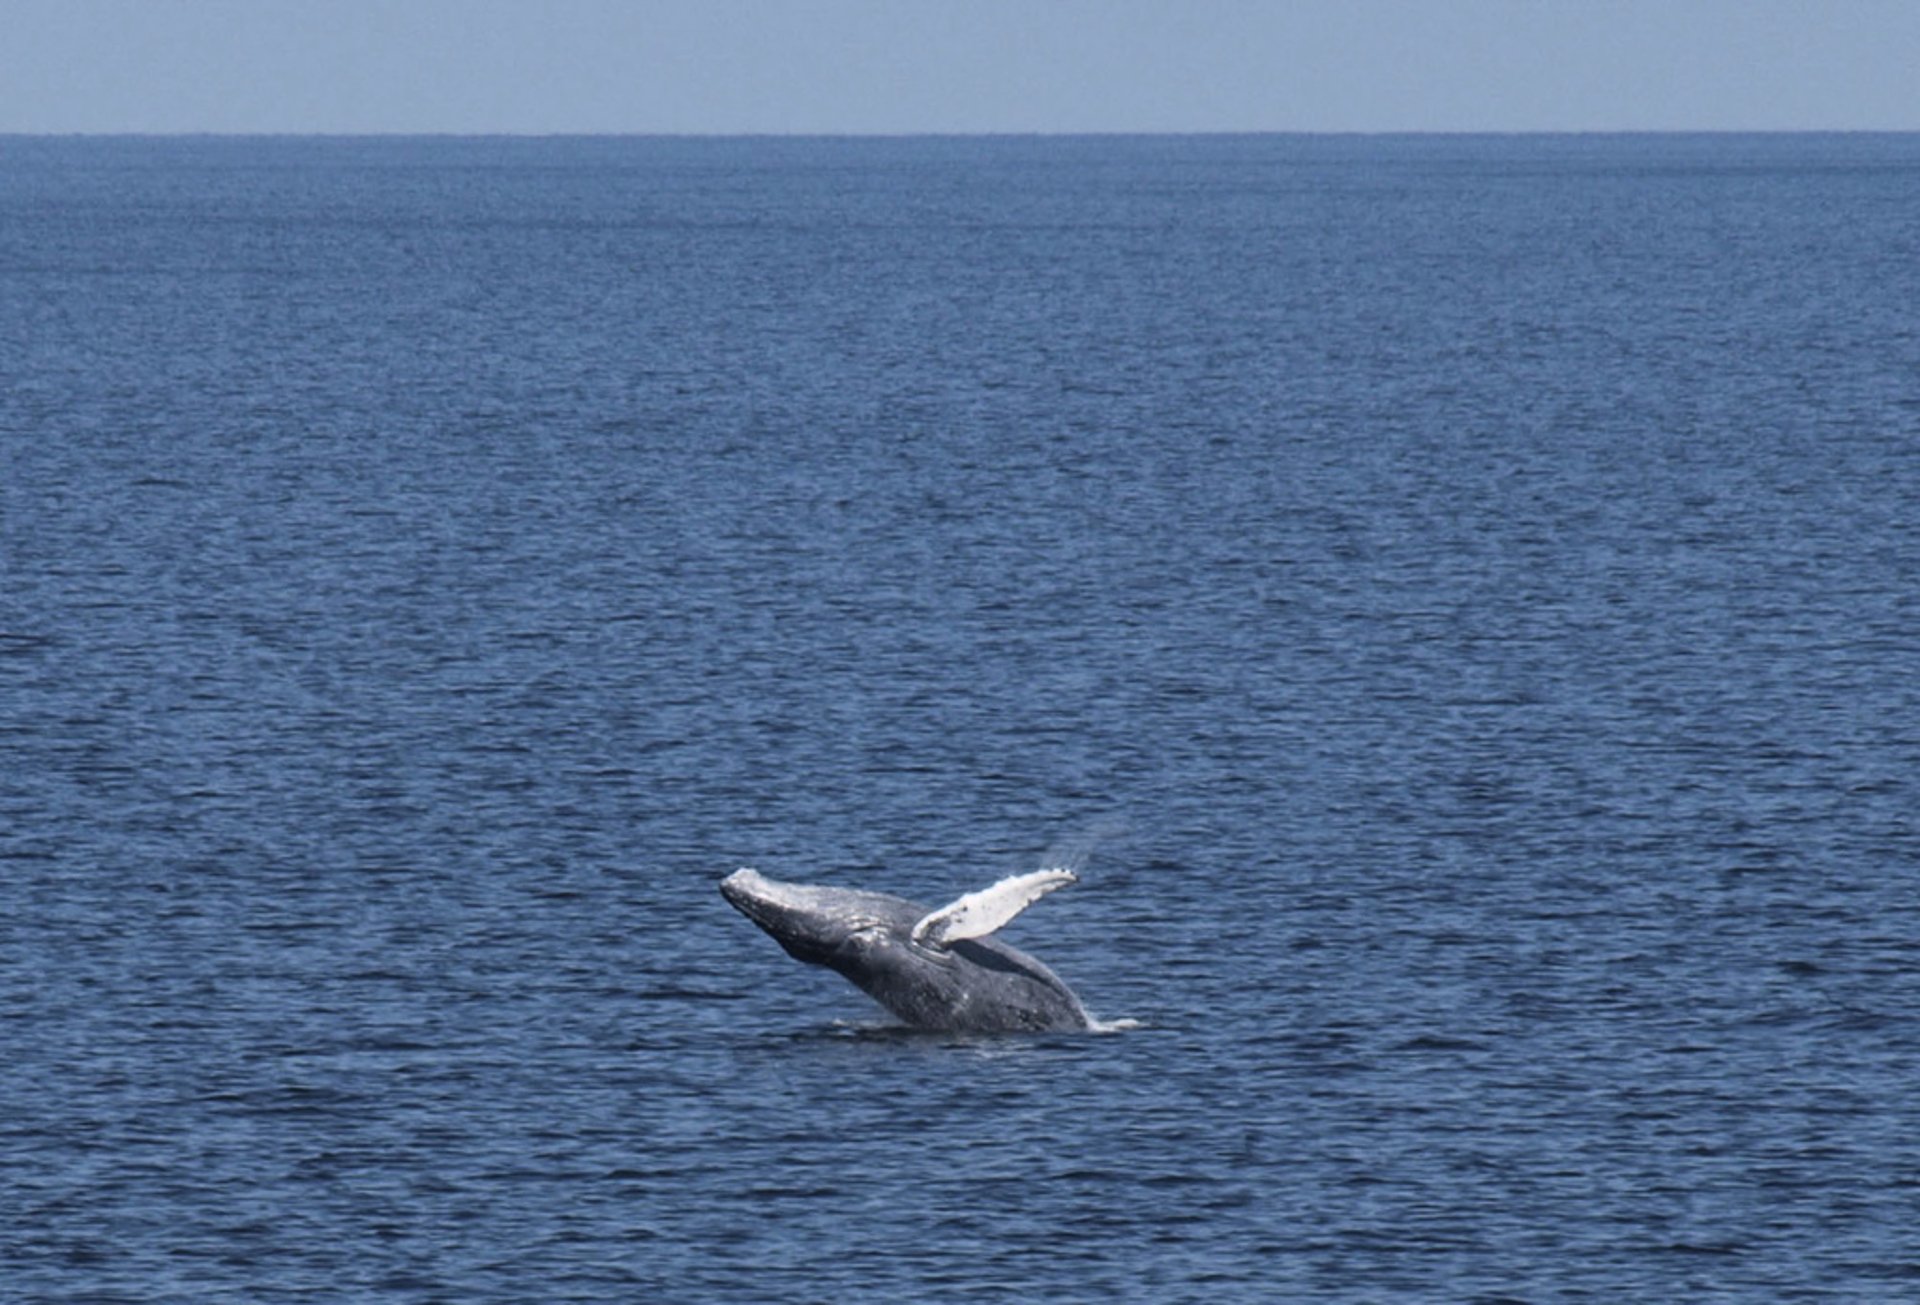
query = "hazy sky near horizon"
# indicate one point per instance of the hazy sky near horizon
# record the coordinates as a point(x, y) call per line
point(909, 66)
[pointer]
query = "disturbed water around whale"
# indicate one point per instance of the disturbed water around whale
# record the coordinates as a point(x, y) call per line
point(1462, 589)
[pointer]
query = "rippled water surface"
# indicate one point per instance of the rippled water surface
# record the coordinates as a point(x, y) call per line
point(1457, 595)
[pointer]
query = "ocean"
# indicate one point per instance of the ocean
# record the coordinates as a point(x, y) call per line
point(1456, 600)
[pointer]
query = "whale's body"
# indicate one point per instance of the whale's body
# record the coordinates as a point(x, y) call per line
point(932, 969)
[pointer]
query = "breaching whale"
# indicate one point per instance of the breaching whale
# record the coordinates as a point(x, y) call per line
point(933, 969)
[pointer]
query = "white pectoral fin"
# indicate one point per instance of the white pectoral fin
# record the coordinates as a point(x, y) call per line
point(978, 914)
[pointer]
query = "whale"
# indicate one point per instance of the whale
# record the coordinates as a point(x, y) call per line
point(936, 969)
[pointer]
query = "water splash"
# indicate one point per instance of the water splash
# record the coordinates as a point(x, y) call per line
point(1073, 852)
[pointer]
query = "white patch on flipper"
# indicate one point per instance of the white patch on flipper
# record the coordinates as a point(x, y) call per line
point(978, 914)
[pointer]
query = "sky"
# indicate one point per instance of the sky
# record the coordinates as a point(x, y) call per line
point(962, 66)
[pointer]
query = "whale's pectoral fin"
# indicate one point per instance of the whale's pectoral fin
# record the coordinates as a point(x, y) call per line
point(978, 914)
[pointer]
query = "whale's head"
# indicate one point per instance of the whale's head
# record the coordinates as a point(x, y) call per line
point(836, 927)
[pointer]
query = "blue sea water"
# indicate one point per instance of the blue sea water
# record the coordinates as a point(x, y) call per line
point(1458, 597)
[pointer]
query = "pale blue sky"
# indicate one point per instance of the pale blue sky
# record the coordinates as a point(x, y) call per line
point(728, 66)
